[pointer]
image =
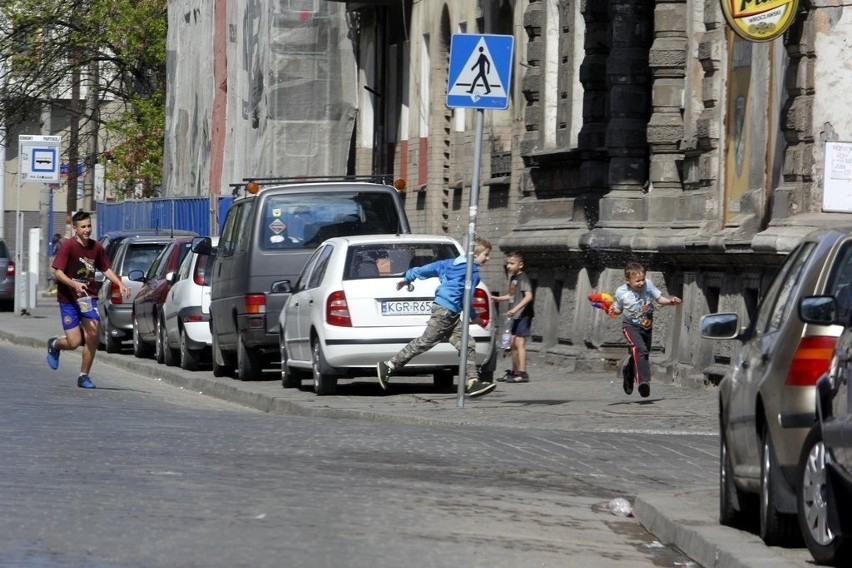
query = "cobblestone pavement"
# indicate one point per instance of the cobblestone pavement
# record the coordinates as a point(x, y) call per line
point(677, 508)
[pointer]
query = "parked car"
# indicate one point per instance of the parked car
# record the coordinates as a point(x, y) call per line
point(266, 239)
point(111, 239)
point(149, 299)
point(186, 335)
point(825, 464)
point(345, 313)
point(116, 312)
point(7, 278)
point(766, 400)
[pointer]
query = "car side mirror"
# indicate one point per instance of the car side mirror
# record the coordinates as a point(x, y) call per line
point(172, 277)
point(819, 310)
point(720, 326)
point(282, 287)
point(99, 276)
point(201, 245)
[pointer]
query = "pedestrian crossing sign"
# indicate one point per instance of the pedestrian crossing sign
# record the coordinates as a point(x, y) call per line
point(480, 71)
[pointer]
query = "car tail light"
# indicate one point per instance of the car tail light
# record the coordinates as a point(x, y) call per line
point(255, 304)
point(10, 269)
point(482, 305)
point(811, 360)
point(337, 310)
point(115, 296)
point(198, 275)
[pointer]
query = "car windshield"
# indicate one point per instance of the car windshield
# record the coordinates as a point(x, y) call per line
point(393, 259)
point(303, 221)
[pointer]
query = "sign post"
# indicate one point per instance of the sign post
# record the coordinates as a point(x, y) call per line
point(38, 161)
point(479, 78)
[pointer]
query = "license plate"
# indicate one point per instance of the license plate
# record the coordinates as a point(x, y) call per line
point(407, 307)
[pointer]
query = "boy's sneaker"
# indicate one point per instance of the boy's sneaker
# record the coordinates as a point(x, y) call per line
point(645, 389)
point(384, 370)
point(505, 377)
point(520, 377)
point(626, 376)
point(84, 382)
point(52, 354)
point(477, 388)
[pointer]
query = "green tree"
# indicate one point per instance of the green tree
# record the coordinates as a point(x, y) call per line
point(46, 46)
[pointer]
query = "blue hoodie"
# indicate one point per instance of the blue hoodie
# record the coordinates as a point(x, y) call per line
point(450, 293)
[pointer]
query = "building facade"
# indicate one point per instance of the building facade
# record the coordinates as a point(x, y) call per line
point(644, 131)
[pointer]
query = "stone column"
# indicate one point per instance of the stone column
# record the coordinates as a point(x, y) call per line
point(629, 83)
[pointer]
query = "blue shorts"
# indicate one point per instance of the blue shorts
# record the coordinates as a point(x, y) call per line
point(71, 314)
point(521, 327)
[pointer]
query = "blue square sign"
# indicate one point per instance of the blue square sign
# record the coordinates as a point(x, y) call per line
point(480, 71)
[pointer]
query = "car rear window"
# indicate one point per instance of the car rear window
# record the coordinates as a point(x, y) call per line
point(375, 261)
point(140, 257)
point(303, 221)
point(4, 252)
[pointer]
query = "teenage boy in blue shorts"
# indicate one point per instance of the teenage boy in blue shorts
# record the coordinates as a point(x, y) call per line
point(446, 321)
point(74, 271)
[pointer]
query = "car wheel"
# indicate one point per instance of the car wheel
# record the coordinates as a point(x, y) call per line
point(323, 383)
point(111, 344)
point(220, 369)
point(139, 347)
point(812, 500)
point(159, 357)
point(776, 528)
point(290, 379)
point(443, 380)
point(731, 500)
point(189, 359)
point(170, 356)
point(249, 365)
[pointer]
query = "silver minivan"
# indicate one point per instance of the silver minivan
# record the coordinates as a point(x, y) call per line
point(266, 239)
point(766, 398)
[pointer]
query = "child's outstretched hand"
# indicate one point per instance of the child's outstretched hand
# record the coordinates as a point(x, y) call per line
point(602, 301)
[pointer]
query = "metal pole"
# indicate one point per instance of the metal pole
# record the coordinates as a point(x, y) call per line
point(471, 236)
point(19, 240)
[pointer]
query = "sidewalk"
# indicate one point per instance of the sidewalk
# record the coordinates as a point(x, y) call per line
point(686, 518)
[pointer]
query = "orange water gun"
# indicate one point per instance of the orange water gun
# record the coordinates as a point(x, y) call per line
point(602, 301)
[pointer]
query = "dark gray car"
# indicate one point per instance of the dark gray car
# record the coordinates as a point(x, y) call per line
point(265, 242)
point(7, 278)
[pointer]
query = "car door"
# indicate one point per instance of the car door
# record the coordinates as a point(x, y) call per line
point(145, 302)
point(297, 310)
point(760, 358)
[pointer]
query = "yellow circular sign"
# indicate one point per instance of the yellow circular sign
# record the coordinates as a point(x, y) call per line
point(760, 20)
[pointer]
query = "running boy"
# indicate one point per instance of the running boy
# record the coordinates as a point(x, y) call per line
point(635, 300)
point(445, 322)
point(74, 270)
point(520, 297)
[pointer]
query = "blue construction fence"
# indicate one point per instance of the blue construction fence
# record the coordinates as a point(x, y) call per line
point(186, 213)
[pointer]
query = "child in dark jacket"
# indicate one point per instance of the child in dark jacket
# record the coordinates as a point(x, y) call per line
point(445, 321)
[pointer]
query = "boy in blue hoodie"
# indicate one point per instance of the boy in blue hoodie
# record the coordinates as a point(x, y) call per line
point(445, 322)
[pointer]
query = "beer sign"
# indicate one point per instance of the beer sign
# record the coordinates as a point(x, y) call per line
point(760, 20)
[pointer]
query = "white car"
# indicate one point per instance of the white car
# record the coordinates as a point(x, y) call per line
point(185, 334)
point(345, 313)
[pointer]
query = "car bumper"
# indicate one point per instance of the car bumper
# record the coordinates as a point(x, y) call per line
point(198, 334)
point(351, 350)
point(120, 316)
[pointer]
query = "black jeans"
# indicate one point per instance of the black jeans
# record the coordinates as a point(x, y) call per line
point(639, 341)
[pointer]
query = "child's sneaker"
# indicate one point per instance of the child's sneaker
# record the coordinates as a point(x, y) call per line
point(384, 370)
point(84, 382)
point(645, 389)
point(505, 377)
point(520, 377)
point(52, 354)
point(476, 388)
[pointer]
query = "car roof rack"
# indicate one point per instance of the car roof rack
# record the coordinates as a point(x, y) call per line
point(237, 188)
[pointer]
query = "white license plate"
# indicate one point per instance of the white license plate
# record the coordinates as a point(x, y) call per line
point(407, 307)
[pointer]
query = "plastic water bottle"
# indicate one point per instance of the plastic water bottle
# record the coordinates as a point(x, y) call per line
point(506, 338)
